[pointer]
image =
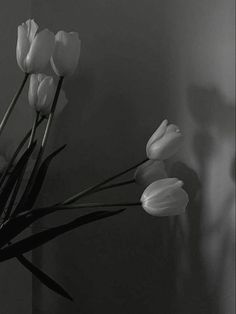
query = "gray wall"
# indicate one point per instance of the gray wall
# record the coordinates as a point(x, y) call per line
point(142, 61)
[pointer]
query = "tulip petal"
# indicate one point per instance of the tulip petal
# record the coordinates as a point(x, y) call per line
point(165, 197)
point(32, 28)
point(158, 187)
point(66, 53)
point(22, 47)
point(172, 128)
point(41, 77)
point(165, 147)
point(46, 91)
point(33, 87)
point(157, 134)
point(174, 206)
point(40, 51)
point(170, 196)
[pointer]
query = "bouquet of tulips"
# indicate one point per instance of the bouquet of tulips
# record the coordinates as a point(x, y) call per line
point(20, 184)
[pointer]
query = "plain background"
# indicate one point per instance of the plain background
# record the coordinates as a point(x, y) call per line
point(141, 61)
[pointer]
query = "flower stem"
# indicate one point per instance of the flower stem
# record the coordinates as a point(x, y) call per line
point(91, 189)
point(42, 148)
point(50, 118)
point(20, 179)
point(93, 205)
point(33, 130)
point(115, 185)
point(46, 133)
point(16, 153)
point(12, 104)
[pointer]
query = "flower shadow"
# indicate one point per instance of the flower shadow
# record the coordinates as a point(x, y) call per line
point(198, 270)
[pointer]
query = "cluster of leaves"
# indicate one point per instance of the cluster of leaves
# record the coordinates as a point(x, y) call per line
point(18, 213)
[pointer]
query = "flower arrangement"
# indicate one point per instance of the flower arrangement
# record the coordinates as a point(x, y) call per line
point(162, 196)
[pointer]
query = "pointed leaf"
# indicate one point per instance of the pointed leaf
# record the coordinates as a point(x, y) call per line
point(45, 236)
point(44, 278)
point(7, 188)
point(34, 192)
point(14, 226)
point(16, 153)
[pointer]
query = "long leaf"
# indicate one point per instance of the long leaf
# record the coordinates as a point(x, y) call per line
point(14, 226)
point(16, 153)
point(28, 202)
point(43, 237)
point(44, 278)
point(7, 188)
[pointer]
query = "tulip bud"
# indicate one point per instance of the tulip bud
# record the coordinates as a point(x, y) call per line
point(149, 172)
point(66, 53)
point(33, 51)
point(164, 142)
point(165, 198)
point(41, 94)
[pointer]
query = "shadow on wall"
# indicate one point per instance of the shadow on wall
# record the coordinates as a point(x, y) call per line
point(214, 118)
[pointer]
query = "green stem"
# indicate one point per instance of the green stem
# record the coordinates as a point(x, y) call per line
point(115, 185)
point(46, 132)
point(20, 179)
point(91, 189)
point(12, 104)
point(50, 118)
point(19, 148)
point(33, 130)
point(43, 145)
point(93, 205)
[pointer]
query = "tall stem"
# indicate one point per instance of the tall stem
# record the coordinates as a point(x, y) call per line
point(16, 153)
point(20, 179)
point(33, 130)
point(12, 104)
point(50, 118)
point(46, 133)
point(98, 185)
point(115, 185)
point(42, 148)
point(93, 205)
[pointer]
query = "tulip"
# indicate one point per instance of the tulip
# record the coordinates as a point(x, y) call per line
point(164, 142)
point(41, 94)
point(66, 53)
point(149, 172)
point(33, 50)
point(165, 198)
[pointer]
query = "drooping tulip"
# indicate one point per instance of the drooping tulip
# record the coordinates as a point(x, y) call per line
point(41, 94)
point(33, 50)
point(149, 172)
point(165, 198)
point(165, 141)
point(66, 53)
